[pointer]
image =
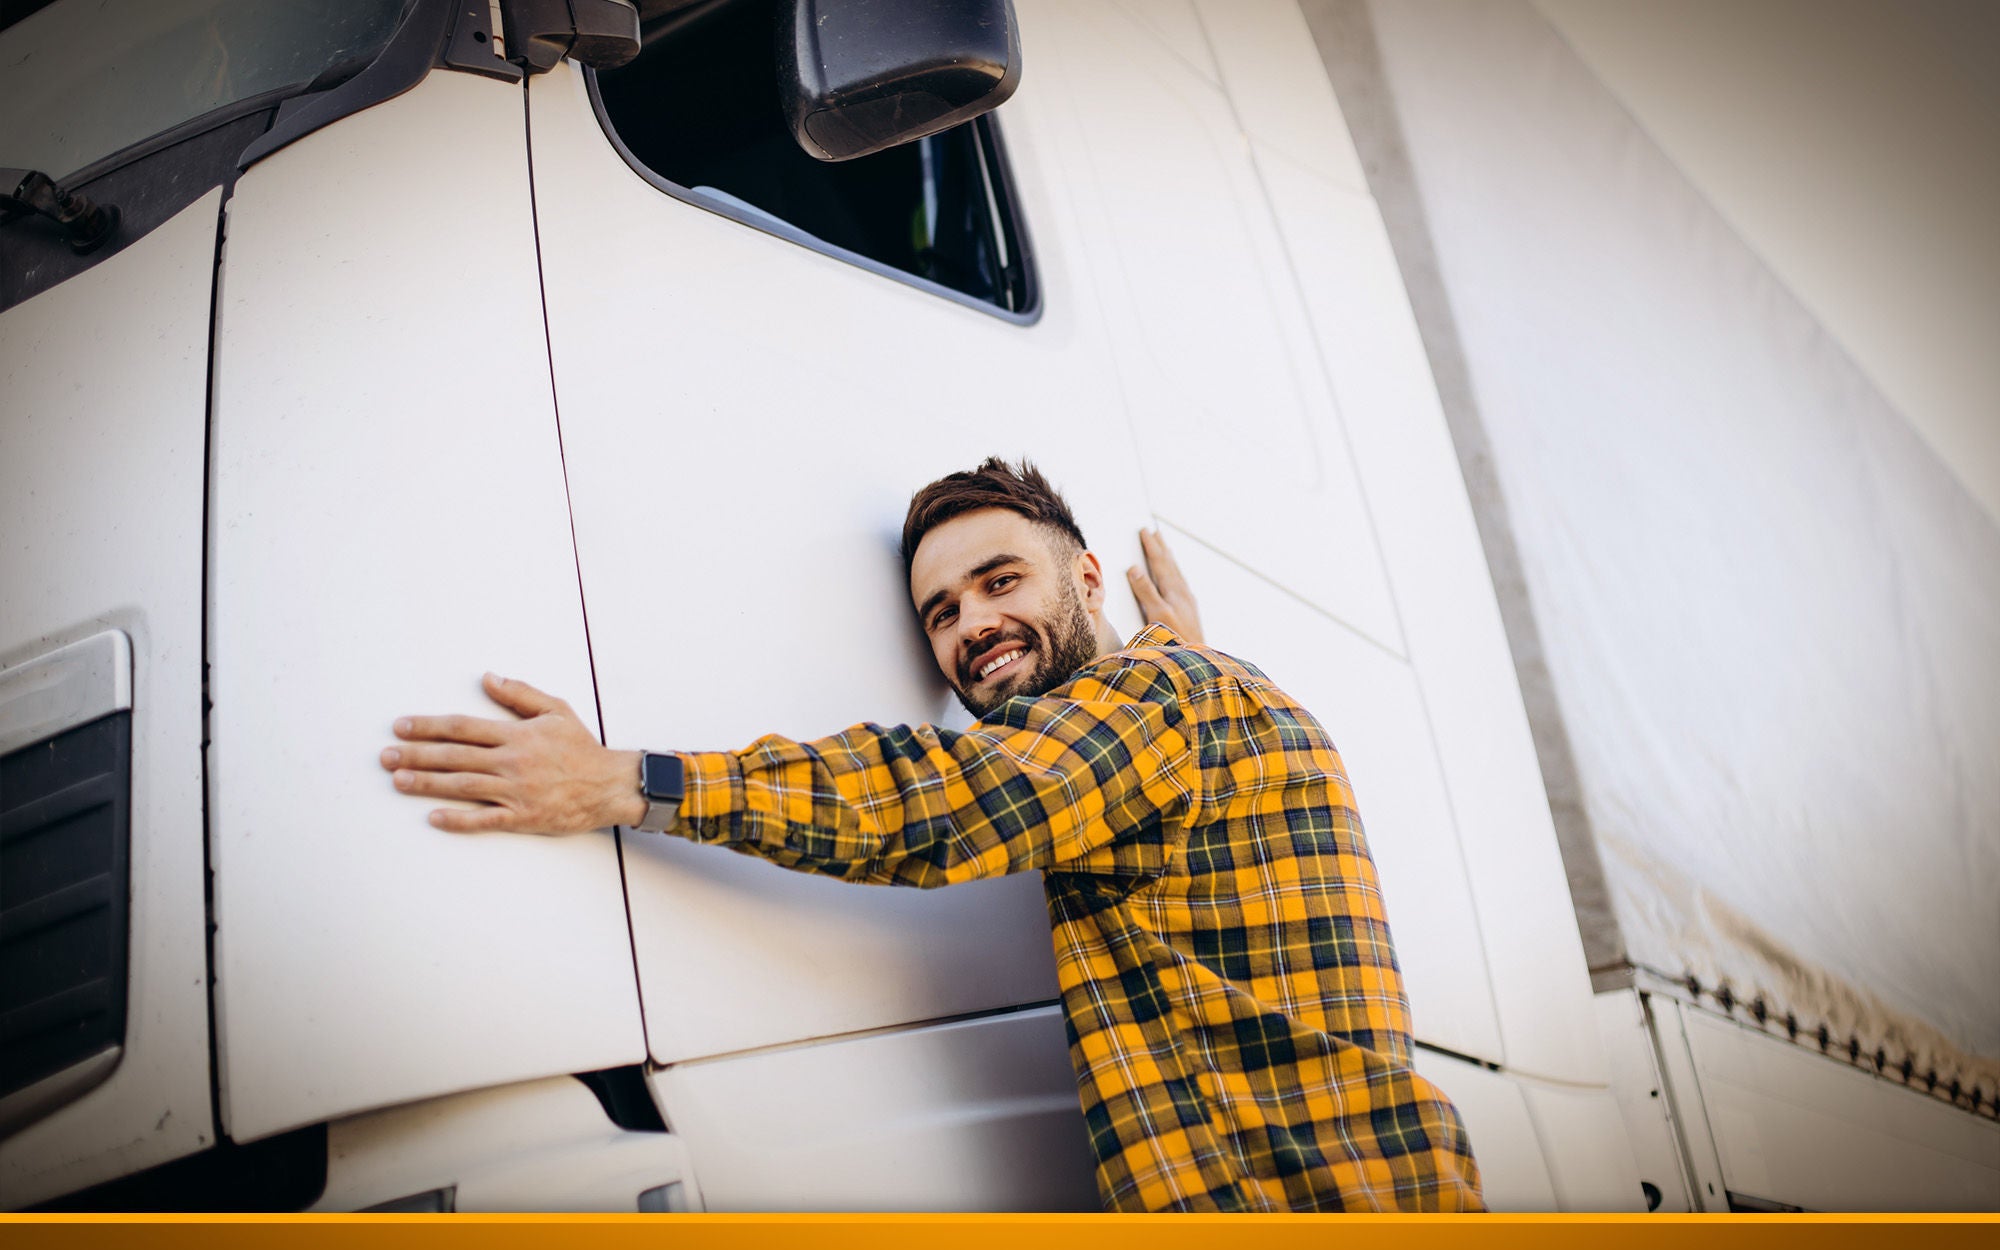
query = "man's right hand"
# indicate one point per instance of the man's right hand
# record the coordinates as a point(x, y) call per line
point(544, 773)
point(1162, 591)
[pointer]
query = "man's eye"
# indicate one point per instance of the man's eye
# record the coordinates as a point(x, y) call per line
point(1004, 582)
point(944, 617)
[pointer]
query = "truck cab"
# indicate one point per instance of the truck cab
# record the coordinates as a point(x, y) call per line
point(435, 337)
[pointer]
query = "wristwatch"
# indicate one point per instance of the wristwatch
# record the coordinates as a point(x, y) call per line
point(660, 784)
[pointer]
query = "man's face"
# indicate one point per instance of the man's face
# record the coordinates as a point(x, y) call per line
point(1003, 604)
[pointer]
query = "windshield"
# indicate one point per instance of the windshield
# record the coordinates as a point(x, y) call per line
point(82, 79)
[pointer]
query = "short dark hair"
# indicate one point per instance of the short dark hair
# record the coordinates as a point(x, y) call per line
point(994, 484)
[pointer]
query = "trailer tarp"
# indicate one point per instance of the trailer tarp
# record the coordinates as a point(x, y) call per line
point(1764, 616)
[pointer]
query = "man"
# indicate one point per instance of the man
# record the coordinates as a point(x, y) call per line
point(1236, 1018)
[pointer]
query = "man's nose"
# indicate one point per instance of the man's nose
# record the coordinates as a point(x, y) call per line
point(976, 620)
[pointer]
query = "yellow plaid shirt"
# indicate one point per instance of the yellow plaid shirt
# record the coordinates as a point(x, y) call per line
point(1236, 1017)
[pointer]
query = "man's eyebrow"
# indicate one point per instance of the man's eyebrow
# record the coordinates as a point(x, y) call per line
point(975, 573)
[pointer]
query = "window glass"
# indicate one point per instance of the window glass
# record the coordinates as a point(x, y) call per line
point(82, 79)
point(699, 109)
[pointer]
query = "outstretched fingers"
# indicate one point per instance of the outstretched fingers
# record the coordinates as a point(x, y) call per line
point(1160, 562)
point(521, 698)
point(1162, 589)
point(475, 787)
point(543, 773)
point(475, 820)
point(1145, 592)
point(472, 730)
point(442, 757)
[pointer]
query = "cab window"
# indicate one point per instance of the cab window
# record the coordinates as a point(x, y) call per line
point(698, 113)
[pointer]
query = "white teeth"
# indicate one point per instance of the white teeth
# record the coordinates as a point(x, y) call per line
point(996, 662)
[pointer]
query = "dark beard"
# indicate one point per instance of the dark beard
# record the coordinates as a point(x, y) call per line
point(1071, 645)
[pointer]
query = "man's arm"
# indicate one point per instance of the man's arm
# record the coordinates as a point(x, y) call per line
point(1075, 783)
point(1091, 782)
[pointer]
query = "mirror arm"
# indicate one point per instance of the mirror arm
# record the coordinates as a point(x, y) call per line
point(603, 34)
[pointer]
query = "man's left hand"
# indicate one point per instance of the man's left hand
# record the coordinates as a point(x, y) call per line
point(545, 773)
point(1163, 591)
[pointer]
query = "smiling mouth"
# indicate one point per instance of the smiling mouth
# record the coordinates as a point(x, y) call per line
point(1001, 661)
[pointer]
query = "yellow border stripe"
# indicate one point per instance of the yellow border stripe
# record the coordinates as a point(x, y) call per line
point(1006, 1232)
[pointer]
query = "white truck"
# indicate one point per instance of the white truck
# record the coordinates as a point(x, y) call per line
point(555, 278)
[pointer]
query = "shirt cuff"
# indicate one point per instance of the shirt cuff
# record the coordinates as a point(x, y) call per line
point(711, 786)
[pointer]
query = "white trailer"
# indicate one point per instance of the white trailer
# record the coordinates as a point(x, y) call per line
point(669, 384)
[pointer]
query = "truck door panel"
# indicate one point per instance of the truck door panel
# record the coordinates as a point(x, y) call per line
point(101, 505)
point(975, 1115)
point(1237, 428)
point(744, 420)
point(388, 522)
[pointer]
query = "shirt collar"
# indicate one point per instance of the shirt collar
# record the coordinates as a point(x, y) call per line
point(1154, 635)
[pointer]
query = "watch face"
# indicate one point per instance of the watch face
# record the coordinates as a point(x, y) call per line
point(660, 776)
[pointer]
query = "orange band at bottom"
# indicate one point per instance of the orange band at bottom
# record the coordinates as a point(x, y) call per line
point(1005, 1232)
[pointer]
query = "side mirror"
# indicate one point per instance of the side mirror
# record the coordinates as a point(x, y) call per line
point(857, 76)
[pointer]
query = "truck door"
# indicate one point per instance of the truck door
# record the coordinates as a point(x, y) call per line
point(758, 359)
point(387, 522)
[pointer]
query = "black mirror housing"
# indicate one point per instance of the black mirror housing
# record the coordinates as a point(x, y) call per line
point(858, 76)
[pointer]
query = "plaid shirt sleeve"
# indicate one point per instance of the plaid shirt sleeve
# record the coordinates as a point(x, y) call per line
point(1091, 782)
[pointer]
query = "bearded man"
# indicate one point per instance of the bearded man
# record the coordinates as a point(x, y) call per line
point(1237, 1021)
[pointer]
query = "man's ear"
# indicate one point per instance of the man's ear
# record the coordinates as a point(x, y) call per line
point(1090, 575)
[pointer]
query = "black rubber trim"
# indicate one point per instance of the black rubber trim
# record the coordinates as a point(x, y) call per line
point(405, 61)
point(264, 102)
point(148, 186)
point(1459, 1055)
point(153, 179)
point(1004, 192)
